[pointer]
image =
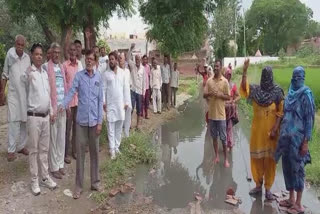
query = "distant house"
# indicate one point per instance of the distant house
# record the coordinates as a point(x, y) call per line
point(132, 36)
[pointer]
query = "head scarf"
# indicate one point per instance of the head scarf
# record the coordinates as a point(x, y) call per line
point(297, 88)
point(267, 92)
point(228, 71)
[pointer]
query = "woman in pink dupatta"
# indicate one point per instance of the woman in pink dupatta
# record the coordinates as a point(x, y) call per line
point(231, 109)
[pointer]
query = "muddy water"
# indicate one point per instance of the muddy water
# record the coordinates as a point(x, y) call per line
point(185, 167)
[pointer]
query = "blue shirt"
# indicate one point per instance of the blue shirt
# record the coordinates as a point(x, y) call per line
point(90, 96)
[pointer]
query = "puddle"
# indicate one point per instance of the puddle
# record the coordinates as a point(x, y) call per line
point(185, 168)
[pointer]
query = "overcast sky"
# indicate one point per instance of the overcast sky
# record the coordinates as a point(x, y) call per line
point(135, 25)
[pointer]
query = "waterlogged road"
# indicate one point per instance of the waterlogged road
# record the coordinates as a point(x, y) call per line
point(186, 167)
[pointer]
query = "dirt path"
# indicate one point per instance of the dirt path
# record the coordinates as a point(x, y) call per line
point(15, 195)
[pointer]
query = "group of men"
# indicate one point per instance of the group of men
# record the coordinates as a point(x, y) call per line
point(56, 109)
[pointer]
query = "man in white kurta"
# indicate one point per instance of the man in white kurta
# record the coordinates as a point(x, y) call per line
point(156, 83)
point(127, 119)
point(137, 75)
point(117, 101)
point(16, 63)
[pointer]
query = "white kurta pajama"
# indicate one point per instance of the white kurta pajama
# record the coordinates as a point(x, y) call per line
point(14, 68)
point(127, 120)
point(117, 96)
point(156, 83)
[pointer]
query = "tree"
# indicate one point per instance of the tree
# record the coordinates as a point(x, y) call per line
point(92, 13)
point(278, 23)
point(31, 29)
point(313, 29)
point(65, 17)
point(103, 43)
point(176, 25)
point(223, 26)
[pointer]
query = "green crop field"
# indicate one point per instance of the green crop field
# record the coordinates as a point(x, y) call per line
point(283, 75)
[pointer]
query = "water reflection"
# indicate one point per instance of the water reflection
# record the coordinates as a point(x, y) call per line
point(186, 167)
point(258, 207)
point(206, 166)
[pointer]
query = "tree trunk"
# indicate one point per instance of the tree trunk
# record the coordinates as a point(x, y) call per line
point(89, 33)
point(65, 39)
point(47, 31)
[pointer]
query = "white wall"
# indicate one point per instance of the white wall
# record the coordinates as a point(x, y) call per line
point(253, 60)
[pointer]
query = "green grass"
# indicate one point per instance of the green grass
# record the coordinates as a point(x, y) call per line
point(313, 169)
point(189, 86)
point(282, 76)
point(137, 149)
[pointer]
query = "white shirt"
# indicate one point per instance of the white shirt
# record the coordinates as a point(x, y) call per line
point(156, 78)
point(128, 82)
point(101, 68)
point(38, 90)
point(137, 77)
point(117, 94)
point(14, 68)
point(174, 79)
point(165, 72)
point(83, 61)
point(103, 59)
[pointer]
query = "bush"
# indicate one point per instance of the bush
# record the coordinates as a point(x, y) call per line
point(103, 43)
point(282, 54)
point(2, 56)
point(306, 51)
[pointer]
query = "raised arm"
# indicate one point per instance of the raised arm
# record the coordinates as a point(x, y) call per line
point(244, 74)
point(129, 56)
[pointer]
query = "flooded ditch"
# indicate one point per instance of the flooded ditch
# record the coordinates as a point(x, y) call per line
point(186, 167)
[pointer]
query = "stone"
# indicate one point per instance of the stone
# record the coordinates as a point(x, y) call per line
point(67, 192)
point(113, 192)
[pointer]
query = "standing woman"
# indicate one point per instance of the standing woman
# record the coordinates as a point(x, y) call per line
point(295, 133)
point(267, 100)
point(231, 108)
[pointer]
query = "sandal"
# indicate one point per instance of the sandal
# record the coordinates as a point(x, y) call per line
point(269, 196)
point(255, 191)
point(295, 210)
point(285, 203)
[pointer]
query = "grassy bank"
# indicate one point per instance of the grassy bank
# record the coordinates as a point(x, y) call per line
point(188, 85)
point(137, 149)
point(313, 169)
point(282, 75)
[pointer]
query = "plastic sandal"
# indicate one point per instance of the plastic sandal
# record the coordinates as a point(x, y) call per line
point(295, 210)
point(286, 203)
point(255, 191)
point(269, 196)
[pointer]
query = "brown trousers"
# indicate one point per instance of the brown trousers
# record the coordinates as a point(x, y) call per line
point(87, 135)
